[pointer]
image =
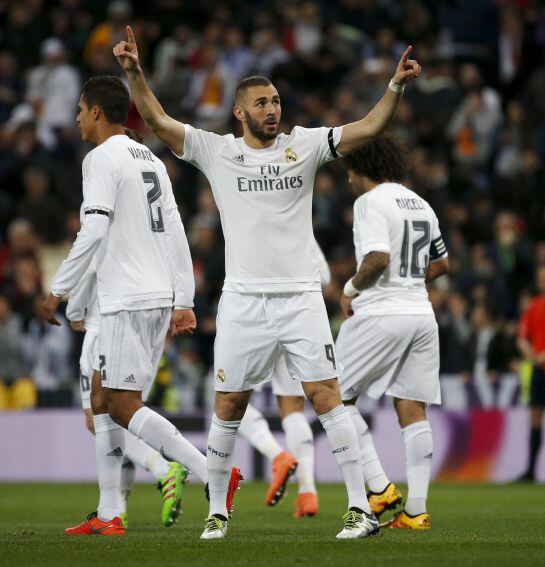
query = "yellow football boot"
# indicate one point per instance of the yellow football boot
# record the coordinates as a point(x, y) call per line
point(388, 499)
point(406, 522)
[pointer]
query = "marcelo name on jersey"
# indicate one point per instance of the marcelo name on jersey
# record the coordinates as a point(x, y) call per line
point(270, 180)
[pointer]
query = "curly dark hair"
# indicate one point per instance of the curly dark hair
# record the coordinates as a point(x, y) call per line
point(381, 159)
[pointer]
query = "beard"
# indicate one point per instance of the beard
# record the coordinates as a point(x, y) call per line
point(258, 129)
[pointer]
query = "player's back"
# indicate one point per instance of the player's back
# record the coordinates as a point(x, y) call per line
point(392, 218)
point(127, 179)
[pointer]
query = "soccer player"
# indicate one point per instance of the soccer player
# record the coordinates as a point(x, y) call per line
point(271, 303)
point(132, 225)
point(291, 403)
point(531, 342)
point(83, 314)
point(389, 342)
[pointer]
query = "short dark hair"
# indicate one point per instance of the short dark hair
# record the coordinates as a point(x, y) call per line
point(381, 159)
point(110, 94)
point(247, 82)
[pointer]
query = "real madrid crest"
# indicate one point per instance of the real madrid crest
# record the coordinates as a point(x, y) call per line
point(290, 155)
point(220, 376)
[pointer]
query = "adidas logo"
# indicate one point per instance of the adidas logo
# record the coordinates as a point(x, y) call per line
point(117, 452)
point(239, 158)
point(130, 379)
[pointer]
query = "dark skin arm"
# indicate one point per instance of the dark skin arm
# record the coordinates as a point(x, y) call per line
point(436, 269)
point(370, 269)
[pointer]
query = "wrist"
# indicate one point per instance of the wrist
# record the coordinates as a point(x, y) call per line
point(396, 87)
point(350, 290)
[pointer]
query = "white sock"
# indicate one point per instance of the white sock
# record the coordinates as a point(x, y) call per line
point(128, 472)
point(299, 440)
point(110, 446)
point(373, 472)
point(255, 429)
point(143, 456)
point(221, 446)
point(160, 434)
point(418, 452)
point(343, 441)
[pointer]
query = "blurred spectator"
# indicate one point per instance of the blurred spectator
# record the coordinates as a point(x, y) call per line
point(53, 91)
point(268, 52)
point(11, 344)
point(211, 91)
point(10, 84)
point(21, 243)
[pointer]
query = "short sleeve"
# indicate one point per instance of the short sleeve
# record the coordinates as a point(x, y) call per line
point(99, 182)
point(324, 142)
point(374, 232)
point(438, 250)
point(200, 147)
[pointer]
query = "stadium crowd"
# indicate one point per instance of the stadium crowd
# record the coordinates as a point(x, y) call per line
point(474, 123)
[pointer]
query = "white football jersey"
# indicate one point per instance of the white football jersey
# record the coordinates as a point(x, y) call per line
point(391, 218)
point(126, 180)
point(83, 301)
point(265, 202)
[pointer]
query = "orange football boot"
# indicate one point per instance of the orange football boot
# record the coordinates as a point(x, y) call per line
point(306, 504)
point(406, 522)
point(94, 526)
point(284, 465)
point(234, 485)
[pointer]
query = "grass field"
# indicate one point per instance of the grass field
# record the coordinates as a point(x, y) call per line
point(472, 525)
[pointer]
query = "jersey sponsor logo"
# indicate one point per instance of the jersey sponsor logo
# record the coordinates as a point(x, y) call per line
point(220, 454)
point(130, 379)
point(290, 155)
point(117, 452)
point(239, 158)
point(340, 450)
point(220, 376)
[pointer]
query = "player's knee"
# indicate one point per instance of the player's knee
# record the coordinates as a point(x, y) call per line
point(231, 406)
point(98, 402)
point(324, 396)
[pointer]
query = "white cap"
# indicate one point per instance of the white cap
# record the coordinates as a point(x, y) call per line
point(51, 47)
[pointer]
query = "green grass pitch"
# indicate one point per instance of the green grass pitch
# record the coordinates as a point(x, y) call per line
point(472, 525)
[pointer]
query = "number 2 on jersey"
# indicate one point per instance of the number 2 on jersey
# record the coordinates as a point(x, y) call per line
point(423, 242)
point(155, 214)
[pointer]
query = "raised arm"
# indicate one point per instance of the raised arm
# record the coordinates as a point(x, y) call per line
point(380, 117)
point(168, 130)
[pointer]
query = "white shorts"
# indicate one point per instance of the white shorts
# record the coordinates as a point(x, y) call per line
point(393, 354)
point(283, 383)
point(87, 363)
point(130, 345)
point(255, 330)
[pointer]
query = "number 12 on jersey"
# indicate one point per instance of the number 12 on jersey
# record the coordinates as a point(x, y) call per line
point(416, 238)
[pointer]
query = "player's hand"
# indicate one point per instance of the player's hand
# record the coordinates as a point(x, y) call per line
point(346, 306)
point(182, 322)
point(126, 53)
point(51, 305)
point(78, 326)
point(407, 69)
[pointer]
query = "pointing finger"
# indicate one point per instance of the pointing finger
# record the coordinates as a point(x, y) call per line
point(406, 54)
point(130, 35)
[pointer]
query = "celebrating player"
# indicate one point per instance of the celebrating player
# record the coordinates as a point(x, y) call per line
point(291, 403)
point(389, 343)
point(131, 223)
point(271, 303)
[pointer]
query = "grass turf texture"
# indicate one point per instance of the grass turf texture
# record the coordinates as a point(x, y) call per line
point(472, 525)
